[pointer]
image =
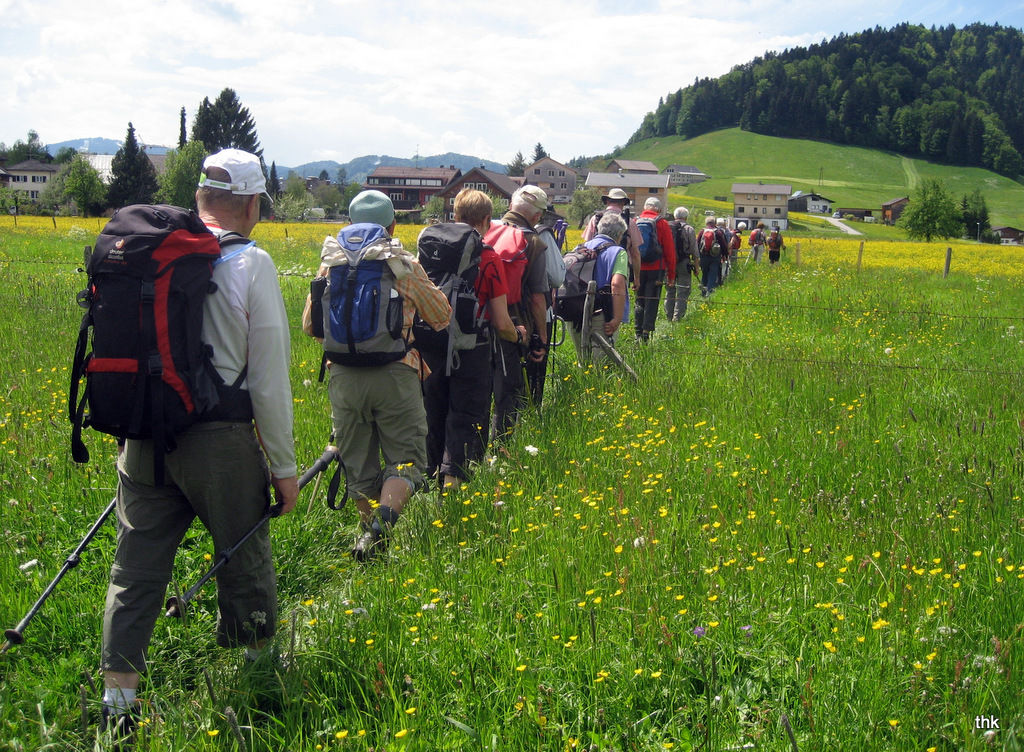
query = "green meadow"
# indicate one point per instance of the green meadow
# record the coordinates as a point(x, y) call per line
point(851, 176)
point(801, 529)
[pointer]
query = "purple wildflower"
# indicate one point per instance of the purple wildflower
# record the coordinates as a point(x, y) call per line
point(698, 631)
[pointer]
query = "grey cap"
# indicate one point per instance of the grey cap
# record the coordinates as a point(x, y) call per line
point(372, 207)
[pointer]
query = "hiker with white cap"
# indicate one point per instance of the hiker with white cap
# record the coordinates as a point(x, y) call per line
point(617, 201)
point(220, 471)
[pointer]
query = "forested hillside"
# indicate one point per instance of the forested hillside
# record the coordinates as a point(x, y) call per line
point(947, 94)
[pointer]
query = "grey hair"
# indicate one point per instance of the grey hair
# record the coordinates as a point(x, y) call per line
point(653, 203)
point(612, 225)
point(720, 221)
point(681, 213)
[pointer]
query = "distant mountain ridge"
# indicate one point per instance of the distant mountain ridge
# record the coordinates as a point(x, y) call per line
point(357, 169)
point(100, 146)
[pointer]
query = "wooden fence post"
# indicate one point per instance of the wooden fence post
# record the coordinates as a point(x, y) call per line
point(797, 259)
point(860, 255)
point(949, 258)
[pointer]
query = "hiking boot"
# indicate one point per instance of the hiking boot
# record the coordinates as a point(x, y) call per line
point(368, 545)
point(120, 727)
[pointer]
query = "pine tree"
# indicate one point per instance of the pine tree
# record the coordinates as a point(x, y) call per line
point(236, 126)
point(538, 152)
point(133, 178)
point(204, 127)
point(182, 133)
point(516, 167)
point(273, 182)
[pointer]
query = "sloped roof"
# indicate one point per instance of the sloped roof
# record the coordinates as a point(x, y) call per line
point(635, 164)
point(684, 168)
point(895, 201)
point(33, 165)
point(627, 180)
point(761, 188)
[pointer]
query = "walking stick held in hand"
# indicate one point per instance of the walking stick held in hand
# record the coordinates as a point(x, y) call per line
point(176, 604)
point(16, 635)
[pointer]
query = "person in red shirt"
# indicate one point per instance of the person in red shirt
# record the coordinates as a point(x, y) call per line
point(458, 405)
point(653, 273)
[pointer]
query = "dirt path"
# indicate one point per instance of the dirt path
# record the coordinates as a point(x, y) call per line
point(910, 170)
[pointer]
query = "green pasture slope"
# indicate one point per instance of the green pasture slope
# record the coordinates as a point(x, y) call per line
point(804, 522)
point(849, 175)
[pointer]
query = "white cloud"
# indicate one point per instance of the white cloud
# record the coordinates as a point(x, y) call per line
point(339, 78)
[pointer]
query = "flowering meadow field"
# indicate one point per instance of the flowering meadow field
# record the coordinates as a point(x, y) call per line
point(801, 529)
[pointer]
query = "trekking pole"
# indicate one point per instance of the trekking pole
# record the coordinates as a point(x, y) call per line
point(176, 604)
point(16, 635)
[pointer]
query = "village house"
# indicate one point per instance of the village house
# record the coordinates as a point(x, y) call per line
point(411, 187)
point(633, 167)
point(812, 203)
point(494, 183)
point(1009, 235)
point(684, 175)
point(638, 186)
point(891, 210)
point(31, 177)
point(762, 202)
point(557, 180)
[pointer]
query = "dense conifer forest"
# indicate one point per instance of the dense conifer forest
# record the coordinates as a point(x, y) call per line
point(947, 94)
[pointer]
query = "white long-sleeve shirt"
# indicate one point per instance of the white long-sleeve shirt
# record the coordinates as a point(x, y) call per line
point(244, 321)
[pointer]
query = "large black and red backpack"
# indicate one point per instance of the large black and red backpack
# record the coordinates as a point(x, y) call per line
point(149, 374)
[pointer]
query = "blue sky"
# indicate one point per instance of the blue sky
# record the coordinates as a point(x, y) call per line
point(337, 79)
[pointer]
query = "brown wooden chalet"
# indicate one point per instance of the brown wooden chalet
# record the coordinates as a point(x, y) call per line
point(411, 187)
point(480, 179)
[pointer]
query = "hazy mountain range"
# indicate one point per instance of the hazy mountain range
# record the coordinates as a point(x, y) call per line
point(356, 169)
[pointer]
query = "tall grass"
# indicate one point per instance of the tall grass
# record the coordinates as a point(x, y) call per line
point(804, 518)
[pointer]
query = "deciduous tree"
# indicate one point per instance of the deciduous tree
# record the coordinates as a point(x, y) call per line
point(83, 185)
point(178, 182)
point(932, 213)
point(585, 201)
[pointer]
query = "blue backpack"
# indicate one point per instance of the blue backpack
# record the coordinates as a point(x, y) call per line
point(361, 313)
point(650, 246)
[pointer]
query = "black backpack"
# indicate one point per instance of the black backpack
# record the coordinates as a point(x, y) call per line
point(450, 255)
point(149, 374)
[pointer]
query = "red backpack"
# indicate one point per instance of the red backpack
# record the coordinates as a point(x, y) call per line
point(510, 242)
point(709, 244)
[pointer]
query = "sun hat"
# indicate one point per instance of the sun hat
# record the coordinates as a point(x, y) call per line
point(615, 194)
point(373, 207)
point(243, 168)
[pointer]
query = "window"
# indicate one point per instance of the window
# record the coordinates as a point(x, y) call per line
point(765, 196)
point(653, 191)
point(451, 201)
point(561, 173)
point(19, 178)
point(39, 178)
point(565, 186)
point(778, 210)
point(536, 171)
point(396, 196)
point(748, 197)
point(740, 209)
point(33, 194)
point(551, 173)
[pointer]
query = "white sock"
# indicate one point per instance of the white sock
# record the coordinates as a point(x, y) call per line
point(117, 699)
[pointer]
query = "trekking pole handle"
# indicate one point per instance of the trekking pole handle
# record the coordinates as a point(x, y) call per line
point(330, 454)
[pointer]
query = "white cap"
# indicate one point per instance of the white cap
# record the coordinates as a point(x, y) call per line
point(244, 169)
